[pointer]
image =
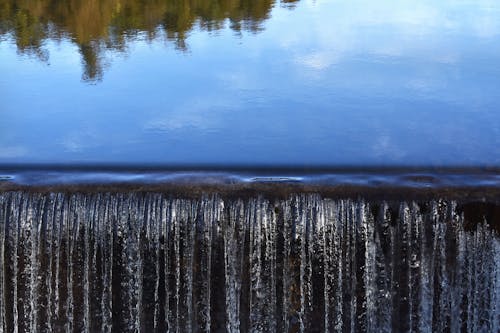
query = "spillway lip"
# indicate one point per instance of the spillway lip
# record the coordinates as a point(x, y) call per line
point(5, 178)
point(466, 184)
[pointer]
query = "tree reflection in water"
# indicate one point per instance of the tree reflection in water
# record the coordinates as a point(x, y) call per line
point(98, 25)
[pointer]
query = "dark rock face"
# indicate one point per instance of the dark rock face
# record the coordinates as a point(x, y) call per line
point(125, 262)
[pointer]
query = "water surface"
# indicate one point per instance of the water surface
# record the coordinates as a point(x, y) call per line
point(261, 83)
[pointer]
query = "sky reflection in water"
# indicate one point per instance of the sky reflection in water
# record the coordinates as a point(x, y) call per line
point(251, 82)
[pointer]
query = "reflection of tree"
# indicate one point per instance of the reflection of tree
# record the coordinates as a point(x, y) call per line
point(289, 3)
point(95, 25)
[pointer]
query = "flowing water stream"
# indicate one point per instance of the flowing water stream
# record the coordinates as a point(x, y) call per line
point(151, 262)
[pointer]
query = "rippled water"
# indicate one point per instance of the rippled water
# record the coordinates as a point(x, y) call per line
point(239, 82)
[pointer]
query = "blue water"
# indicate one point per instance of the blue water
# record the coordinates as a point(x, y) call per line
point(312, 83)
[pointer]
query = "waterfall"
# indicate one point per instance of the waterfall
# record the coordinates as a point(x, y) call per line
point(153, 262)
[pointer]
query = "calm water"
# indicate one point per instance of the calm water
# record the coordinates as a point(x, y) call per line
point(240, 82)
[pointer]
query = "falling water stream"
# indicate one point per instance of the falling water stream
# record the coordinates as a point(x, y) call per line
point(153, 262)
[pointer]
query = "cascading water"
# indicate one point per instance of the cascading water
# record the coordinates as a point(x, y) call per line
point(151, 262)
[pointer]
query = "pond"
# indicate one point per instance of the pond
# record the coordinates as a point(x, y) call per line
point(250, 83)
